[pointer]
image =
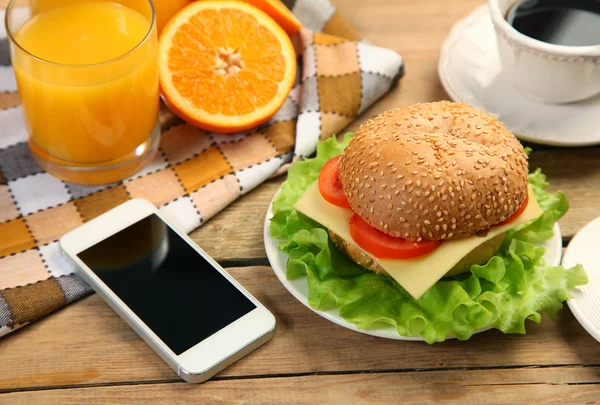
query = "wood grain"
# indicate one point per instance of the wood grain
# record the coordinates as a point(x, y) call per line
point(577, 173)
point(312, 360)
point(236, 233)
point(549, 386)
point(87, 343)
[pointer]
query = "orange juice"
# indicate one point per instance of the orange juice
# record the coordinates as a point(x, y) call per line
point(164, 9)
point(91, 94)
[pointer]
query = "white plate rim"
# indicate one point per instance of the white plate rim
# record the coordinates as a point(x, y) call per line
point(455, 95)
point(573, 303)
point(278, 260)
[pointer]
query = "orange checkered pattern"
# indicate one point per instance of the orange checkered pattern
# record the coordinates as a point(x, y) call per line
point(194, 175)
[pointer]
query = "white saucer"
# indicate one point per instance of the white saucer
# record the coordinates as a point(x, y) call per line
point(470, 71)
point(299, 288)
point(585, 304)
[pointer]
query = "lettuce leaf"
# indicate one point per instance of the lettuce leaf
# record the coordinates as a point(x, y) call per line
point(515, 285)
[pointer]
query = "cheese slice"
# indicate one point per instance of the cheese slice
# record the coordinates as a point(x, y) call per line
point(415, 275)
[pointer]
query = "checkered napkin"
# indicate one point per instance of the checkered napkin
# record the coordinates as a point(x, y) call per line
point(195, 174)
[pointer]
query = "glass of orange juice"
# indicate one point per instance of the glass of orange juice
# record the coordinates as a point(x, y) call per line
point(87, 78)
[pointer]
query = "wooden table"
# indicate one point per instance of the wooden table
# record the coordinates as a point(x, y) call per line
point(86, 354)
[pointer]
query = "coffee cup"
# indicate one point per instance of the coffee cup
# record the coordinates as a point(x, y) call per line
point(544, 71)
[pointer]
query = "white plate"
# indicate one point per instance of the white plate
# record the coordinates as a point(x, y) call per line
point(471, 72)
point(299, 288)
point(585, 304)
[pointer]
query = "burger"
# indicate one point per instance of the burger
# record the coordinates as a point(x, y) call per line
point(435, 205)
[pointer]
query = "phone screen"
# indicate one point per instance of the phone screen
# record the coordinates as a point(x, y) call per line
point(169, 286)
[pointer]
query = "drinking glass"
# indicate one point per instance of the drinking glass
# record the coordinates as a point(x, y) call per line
point(88, 123)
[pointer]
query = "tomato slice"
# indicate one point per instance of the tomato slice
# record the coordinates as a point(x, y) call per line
point(384, 246)
point(517, 213)
point(330, 185)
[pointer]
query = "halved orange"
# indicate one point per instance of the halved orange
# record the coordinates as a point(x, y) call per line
point(225, 66)
point(280, 13)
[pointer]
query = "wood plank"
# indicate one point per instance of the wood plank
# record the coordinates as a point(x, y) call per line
point(557, 385)
point(236, 232)
point(577, 173)
point(416, 31)
point(87, 343)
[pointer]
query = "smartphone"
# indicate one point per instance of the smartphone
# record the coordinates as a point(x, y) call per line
point(177, 298)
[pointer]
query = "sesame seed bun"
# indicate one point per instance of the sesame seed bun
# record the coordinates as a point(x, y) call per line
point(434, 171)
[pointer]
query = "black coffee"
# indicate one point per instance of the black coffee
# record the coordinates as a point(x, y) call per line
point(560, 22)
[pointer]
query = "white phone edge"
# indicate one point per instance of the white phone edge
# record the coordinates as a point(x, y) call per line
point(207, 357)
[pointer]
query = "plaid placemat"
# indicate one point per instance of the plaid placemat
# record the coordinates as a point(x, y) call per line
point(194, 175)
